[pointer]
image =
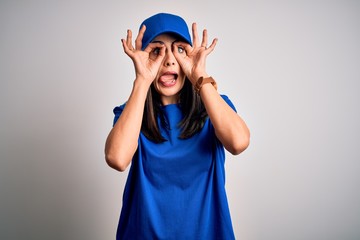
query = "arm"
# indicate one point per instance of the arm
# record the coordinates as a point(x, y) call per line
point(122, 141)
point(229, 126)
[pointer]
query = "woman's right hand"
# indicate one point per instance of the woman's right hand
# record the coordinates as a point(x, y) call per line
point(146, 64)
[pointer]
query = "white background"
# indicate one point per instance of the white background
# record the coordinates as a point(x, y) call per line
point(290, 67)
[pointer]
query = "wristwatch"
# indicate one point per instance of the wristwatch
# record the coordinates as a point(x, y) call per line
point(201, 81)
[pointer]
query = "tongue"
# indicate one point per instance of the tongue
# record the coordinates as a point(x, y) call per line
point(167, 80)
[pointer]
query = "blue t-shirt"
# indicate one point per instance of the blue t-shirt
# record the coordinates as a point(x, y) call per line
point(176, 189)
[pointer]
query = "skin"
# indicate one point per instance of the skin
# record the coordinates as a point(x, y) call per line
point(168, 69)
point(165, 55)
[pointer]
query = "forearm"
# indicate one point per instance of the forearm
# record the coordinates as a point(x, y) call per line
point(230, 128)
point(122, 141)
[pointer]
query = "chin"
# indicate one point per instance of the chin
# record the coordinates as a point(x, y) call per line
point(169, 92)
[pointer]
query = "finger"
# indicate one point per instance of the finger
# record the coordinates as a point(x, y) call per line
point(126, 47)
point(212, 46)
point(138, 41)
point(204, 39)
point(156, 51)
point(161, 54)
point(152, 46)
point(129, 39)
point(195, 35)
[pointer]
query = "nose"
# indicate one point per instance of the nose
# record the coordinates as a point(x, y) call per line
point(169, 59)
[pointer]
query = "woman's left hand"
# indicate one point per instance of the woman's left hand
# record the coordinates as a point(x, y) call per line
point(194, 62)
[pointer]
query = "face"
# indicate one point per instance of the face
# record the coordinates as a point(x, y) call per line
point(170, 78)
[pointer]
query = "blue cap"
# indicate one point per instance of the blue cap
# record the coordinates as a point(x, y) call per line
point(164, 23)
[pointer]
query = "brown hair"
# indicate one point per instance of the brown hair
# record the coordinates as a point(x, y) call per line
point(191, 106)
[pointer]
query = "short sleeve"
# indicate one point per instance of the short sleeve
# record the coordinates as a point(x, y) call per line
point(228, 101)
point(117, 112)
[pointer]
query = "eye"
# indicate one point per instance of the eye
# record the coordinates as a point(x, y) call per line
point(181, 49)
point(156, 51)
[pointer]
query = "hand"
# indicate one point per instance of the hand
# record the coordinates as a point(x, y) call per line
point(194, 63)
point(146, 67)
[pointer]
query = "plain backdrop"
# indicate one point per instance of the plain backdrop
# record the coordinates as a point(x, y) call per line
point(292, 69)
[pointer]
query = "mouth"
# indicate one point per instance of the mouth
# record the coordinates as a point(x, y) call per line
point(168, 79)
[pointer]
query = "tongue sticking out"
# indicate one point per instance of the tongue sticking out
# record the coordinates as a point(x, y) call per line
point(168, 80)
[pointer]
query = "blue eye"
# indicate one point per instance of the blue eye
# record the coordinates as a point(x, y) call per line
point(181, 49)
point(156, 51)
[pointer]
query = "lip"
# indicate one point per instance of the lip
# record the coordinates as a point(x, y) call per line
point(168, 79)
point(169, 73)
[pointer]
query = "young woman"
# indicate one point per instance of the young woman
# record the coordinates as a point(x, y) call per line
point(173, 130)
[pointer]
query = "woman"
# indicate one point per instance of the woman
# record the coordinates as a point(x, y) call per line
point(173, 130)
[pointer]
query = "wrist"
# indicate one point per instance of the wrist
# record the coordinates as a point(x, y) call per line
point(142, 83)
point(196, 77)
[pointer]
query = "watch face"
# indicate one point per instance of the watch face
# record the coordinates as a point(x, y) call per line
point(202, 81)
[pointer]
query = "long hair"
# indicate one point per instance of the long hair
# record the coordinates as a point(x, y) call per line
point(191, 106)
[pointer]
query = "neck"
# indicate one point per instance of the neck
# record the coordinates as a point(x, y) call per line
point(166, 100)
